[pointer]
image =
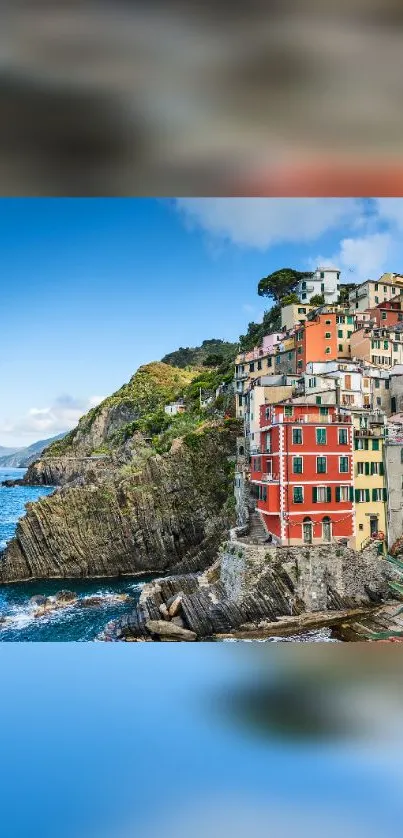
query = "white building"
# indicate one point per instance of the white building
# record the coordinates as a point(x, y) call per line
point(323, 281)
point(174, 408)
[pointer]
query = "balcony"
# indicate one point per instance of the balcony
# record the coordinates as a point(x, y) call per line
point(311, 418)
point(270, 478)
point(241, 376)
point(366, 432)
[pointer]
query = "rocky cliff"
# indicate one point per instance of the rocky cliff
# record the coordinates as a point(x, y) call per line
point(138, 512)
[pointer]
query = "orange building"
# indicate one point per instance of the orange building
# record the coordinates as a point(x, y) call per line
point(303, 475)
point(316, 340)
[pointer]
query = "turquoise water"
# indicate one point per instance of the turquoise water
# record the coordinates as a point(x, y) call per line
point(75, 622)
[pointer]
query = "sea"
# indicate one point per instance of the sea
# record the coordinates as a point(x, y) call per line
point(72, 623)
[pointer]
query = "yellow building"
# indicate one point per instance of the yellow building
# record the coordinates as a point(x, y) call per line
point(370, 293)
point(345, 327)
point(294, 314)
point(369, 477)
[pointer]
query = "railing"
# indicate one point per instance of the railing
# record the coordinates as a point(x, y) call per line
point(314, 418)
point(270, 478)
point(364, 432)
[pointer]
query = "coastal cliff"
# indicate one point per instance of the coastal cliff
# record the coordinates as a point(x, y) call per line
point(157, 512)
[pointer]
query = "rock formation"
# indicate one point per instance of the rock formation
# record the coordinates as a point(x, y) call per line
point(153, 514)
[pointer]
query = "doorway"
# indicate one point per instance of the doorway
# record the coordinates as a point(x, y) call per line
point(327, 530)
point(373, 525)
point(307, 531)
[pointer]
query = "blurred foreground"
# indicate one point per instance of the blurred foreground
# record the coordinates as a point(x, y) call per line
point(114, 741)
point(118, 98)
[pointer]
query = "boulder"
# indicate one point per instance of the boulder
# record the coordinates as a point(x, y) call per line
point(164, 611)
point(175, 606)
point(64, 597)
point(90, 602)
point(170, 630)
point(38, 600)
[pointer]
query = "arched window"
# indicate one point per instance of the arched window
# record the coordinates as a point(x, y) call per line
point(307, 531)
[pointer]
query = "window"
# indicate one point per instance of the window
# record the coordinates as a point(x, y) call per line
point(343, 465)
point(378, 494)
point(340, 347)
point(387, 384)
point(327, 350)
point(252, 367)
point(350, 319)
point(360, 468)
point(328, 335)
point(376, 286)
point(375, 444)
point(303, 295)
point(300, 350)
point(321, 436)
point(377, 300)
point(395, 347)
point(302, 311)
point(322, 275)
point(340, 333)
point(361, 444)
point(269, 361)
point(298, 494)
point(299, 364)
point(362, 496)
point(318, 400)
point(303, 285)
point(321, 494)
point(343, 436)
point(322, 287)
point(240, 401)
point(385, 344)
point(328, 322)
point(288, 410)
point(297, 436)
point(377, 385)
point(311, 382)
point(377, 468)
point(263, 493)
point(289, 356)
point(324, 411)
point(277, 359)
point(383, 315)
point(297, 465)
point(344, 494)
point(378, 401)
point(385, 289)
point(321, 465)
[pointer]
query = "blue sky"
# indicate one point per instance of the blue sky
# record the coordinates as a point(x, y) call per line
point(91, 288)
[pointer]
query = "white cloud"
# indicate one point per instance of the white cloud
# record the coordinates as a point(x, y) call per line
point(362, 258)
point(43, 422)
point(390, 210)
point(262, 222)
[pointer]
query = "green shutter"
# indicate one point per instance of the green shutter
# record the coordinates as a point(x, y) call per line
point(385, 494)
point(356, 443)
point(375, 444)
point(381, 468)
point(352, 494)
point(367, 495)
point(374, 494)
point(366, 468)
point(337, 494)
point(314, 494)
point(357, 495)
point(329, 494)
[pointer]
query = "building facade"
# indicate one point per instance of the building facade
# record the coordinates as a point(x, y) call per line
point(370, 496)
point(325, 280)
point(303, 477)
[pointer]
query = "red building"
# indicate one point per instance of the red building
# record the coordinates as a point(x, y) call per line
point(303, 475)
point(388, 313)
point(316, 340)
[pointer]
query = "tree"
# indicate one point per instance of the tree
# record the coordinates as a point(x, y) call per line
point(317, 300)
point(213, 360)
point(290, 299)
point(280, 283)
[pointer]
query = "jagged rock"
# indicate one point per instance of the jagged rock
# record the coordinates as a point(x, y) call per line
point(91, 602)
point(65, 597)
point(178, 621)
point(164, 611)
point(170, 630)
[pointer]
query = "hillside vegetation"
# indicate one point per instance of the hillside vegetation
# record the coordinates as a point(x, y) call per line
point(196, 356)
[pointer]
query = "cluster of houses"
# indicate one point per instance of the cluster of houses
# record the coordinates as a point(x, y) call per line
point(322, 406)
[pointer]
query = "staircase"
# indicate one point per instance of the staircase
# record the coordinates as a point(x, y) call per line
point(257, 532)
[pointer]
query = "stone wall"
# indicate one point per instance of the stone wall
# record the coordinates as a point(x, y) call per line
point(313, 571)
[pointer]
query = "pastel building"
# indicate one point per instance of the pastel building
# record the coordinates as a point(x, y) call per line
point(325, 280)
point(370, 495)
point(379, 346)
point(303, 477)
point(316, 340)
point(293, 315)
point(371, 293)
